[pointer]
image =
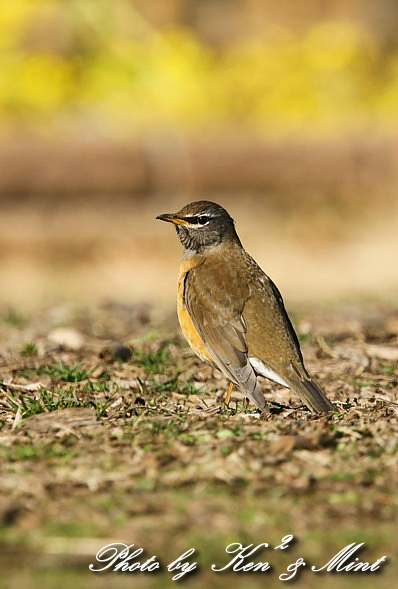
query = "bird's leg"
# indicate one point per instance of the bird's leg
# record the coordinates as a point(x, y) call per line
point(228, 393)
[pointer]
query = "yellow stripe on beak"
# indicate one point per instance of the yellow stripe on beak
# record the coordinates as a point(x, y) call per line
point(172, 218)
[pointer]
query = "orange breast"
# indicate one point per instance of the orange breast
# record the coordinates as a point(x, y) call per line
point(187, 326)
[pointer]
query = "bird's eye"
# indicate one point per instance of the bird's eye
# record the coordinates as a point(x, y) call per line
point(202, 220)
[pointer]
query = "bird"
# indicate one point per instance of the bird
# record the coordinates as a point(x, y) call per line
point(232, 314)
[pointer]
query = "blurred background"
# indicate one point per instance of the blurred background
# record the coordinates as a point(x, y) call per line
point(113, 111)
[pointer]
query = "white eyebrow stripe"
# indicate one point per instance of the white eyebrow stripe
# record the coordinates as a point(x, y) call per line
point(196, 224)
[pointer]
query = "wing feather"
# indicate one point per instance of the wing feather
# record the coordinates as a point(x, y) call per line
point(222, 328)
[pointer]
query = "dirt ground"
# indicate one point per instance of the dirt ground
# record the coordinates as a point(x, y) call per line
point(110, 430)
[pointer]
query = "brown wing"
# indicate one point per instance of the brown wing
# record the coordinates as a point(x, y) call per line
point(217, 316)
point(273, 341)
point(271, 337)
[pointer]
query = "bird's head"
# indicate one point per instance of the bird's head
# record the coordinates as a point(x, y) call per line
point(202, 224)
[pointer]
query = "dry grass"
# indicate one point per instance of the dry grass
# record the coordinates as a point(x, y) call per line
point(111, 430)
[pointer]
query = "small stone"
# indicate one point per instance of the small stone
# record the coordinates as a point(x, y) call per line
point(66, 338)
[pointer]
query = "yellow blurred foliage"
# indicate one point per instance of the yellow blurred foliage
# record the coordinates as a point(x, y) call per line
point(13, 18)
point(101, 65)
point(41, 86)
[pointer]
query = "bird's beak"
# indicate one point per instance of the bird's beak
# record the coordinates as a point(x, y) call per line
point(172, 218)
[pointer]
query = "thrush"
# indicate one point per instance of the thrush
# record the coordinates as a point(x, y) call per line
point(230, 311)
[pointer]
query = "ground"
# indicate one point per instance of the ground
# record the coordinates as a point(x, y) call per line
point(111, 430)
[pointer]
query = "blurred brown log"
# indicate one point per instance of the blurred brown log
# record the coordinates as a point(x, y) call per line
point(53, 169)
point(40, 168)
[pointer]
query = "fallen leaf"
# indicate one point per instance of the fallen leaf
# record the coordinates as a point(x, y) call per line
point(382, 352)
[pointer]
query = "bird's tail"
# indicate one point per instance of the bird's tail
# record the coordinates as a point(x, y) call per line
point(312, 395)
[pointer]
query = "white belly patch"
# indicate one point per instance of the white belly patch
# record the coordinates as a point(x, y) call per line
point(260, 368)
